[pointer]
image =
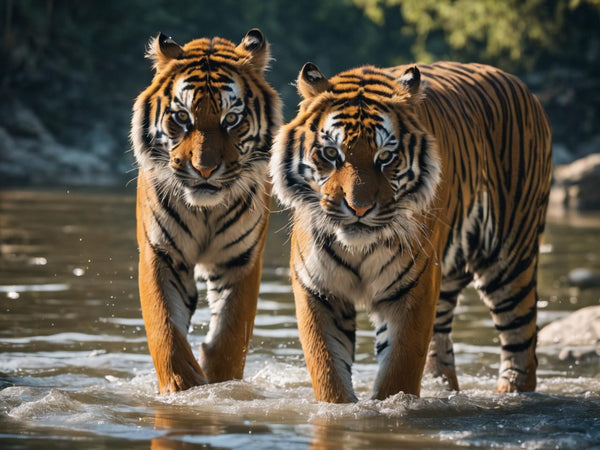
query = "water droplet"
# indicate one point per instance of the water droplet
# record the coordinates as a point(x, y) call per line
point(78, 271)
point(13, 295)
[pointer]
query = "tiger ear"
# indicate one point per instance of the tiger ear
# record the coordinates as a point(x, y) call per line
point(411, 81)
point(161, 50)
point(255, 44)
point(311, 81)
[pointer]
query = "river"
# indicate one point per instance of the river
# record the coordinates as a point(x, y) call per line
point(75, 369)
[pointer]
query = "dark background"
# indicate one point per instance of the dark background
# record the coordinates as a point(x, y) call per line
point(71, 69)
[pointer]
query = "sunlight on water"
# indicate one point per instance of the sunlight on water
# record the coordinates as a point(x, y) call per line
point(74, 363)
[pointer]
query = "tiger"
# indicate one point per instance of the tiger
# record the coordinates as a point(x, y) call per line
point(201, 134)
point(405, 185)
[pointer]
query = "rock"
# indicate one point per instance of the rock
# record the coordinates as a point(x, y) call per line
point(20, 121)
point(577, 335)
point(101, 141)
point(583, 353)
point(584, 278)
point(29, 154)
point(576, 185)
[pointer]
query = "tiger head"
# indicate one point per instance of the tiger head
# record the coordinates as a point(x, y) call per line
point(356, 162)
point(204, 126)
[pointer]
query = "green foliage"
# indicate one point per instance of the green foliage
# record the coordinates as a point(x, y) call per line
point(515, 34)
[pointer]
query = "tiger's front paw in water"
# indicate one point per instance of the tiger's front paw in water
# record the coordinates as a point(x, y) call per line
point(514, 380)
point(184, 377)
point(220, 366)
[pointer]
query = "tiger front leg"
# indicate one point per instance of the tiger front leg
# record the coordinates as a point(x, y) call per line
point(233, 299)
point(327, 333)
point(168, 299)
point(403, 332)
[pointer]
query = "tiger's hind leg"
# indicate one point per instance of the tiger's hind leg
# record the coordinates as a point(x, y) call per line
point(440, 357)
point(511, 296)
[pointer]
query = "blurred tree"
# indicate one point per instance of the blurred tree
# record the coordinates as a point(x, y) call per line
point(515, 34)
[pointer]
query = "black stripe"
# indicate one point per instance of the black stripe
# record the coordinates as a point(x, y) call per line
point(381, 346)
point(511, 303)
point(176, 282)
point(520, 321)
point(381, 329)
point(338, 259)
point(244, 207)
point(164, 203)
point(442, 330)
point(219, 289)
point(517, 270)
point(147, 137)
point(242, 259)
point(313, 294)
point(404, 272)
point(241, 238)
point(519, 347)
point(448, 321)
point(167, 235)
point(401, 292)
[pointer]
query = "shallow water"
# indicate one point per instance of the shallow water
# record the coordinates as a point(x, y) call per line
point(75, 370)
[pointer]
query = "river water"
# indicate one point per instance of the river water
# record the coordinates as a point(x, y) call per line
point(75, 369)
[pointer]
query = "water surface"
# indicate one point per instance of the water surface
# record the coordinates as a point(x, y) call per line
point(75, 368)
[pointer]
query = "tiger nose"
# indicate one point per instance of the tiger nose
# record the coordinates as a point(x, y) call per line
point(206, 172)
point(360, 211)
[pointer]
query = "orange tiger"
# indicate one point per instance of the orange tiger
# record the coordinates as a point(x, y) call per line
point(406, 184)
point(202, 133)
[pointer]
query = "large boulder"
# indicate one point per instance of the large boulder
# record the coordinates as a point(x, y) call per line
point(576, 336)
point(30, 155)
point(577, 185)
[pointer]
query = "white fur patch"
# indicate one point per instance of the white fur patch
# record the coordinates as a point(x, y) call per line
point(334, 133)
point(385, 137)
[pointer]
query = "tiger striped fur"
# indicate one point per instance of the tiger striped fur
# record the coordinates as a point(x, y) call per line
point(406, 184)
point(202, 133)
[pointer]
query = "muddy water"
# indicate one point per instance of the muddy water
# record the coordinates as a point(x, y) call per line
point(75, 370)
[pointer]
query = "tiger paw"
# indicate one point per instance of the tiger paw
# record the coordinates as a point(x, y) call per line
point(513, 380)
point(183, 377)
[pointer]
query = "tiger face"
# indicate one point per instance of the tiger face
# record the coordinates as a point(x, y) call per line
point(203, 126)
point(356, 161)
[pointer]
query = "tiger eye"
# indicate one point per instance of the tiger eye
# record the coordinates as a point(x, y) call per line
point(331, 153)
point(182, 116)
point(385, 157)
point(230, 119)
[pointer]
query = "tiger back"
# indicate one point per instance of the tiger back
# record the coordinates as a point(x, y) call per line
point(406, 184)
point(201, 133)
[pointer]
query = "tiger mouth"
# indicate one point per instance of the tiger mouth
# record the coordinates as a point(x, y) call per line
point(359, 228)
point(205, 188)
